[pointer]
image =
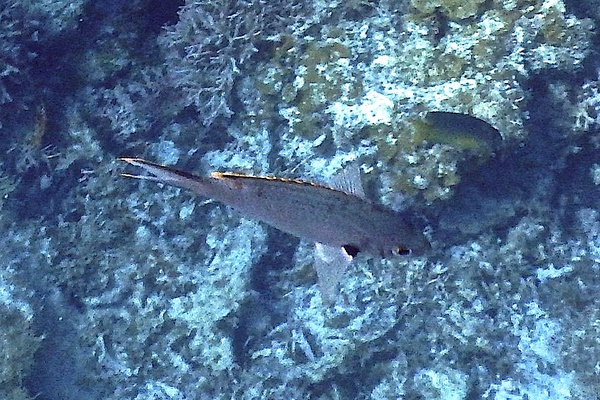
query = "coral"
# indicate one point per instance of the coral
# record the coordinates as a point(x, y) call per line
point(10, 53)
point(19, 345)
point(442, 385)
point(125, 105)
point(595, 173)
point(207, 49)
point(7, 185)
point(18, 340)
point(305, 76)
point(23, 26)
point(31, 34)
point(454, 9)
point(464, 73)
point(389, 76)
point(583, 113)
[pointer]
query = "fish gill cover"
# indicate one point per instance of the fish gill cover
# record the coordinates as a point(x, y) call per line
point(169, 298)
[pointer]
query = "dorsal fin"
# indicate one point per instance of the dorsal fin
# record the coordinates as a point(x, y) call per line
point(348, 180)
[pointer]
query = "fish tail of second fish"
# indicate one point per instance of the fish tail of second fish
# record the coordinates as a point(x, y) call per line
point(164, 174)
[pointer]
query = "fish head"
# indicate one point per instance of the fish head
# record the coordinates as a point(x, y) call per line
point(398, 237)
point(414, 245)
point(391, 245)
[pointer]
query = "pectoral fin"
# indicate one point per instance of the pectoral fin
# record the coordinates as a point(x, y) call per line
point(331, 264)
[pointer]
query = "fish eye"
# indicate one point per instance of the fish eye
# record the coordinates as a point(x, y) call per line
point(401, 251)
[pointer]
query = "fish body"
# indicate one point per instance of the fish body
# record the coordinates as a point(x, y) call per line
point(314, 212)
point(317, 213)
point(461, 131)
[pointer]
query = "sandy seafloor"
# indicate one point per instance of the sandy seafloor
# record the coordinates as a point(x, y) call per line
point(112, 288)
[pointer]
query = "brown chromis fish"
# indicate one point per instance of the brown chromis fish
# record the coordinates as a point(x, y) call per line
point(340, 222)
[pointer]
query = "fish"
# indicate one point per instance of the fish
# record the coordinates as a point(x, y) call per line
point(461, 131)
point(340, 220)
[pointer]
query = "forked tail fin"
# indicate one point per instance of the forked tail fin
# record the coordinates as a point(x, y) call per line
point(168, 175)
